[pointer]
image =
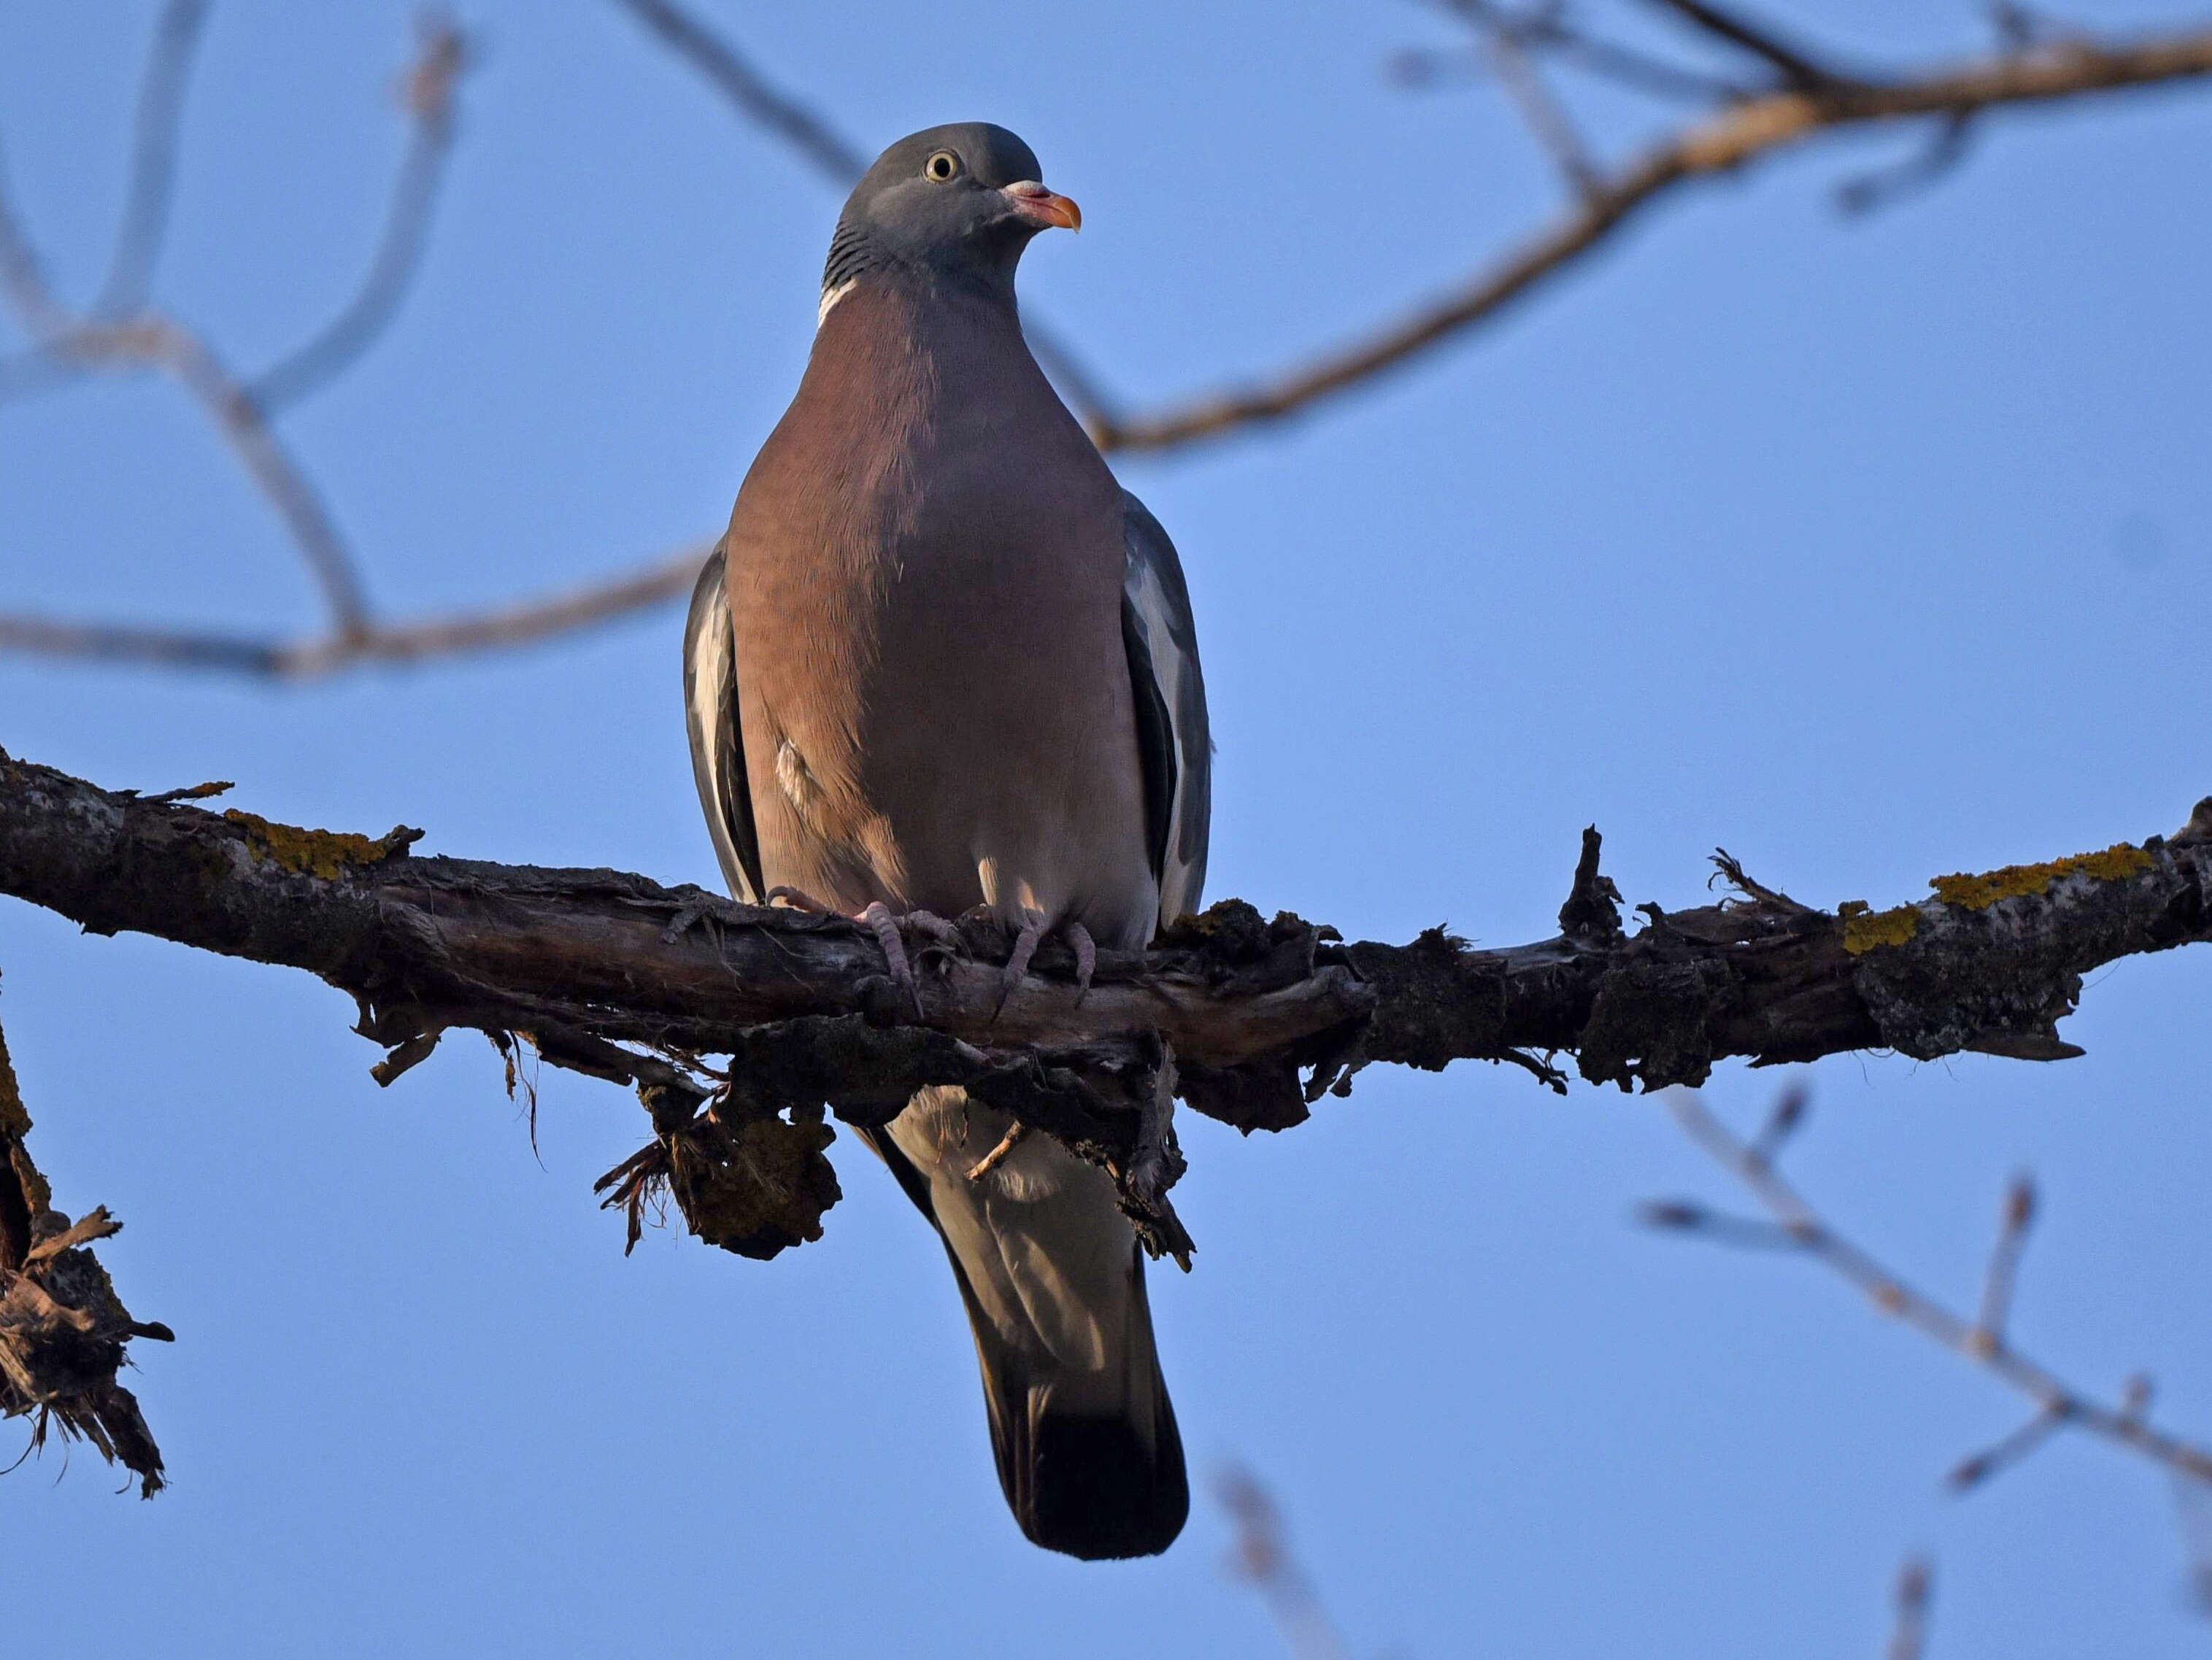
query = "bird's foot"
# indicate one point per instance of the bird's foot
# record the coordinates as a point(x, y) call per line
point(800, 899)
point(879, 921)
point(1031, 935)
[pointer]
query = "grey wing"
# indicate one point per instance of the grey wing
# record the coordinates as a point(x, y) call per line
point(1172, 738)
point(718, 751)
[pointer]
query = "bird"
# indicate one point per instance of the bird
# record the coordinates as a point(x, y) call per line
point(942, 661)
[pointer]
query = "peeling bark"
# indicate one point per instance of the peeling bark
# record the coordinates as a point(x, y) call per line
point(1252, 1021)
point(62, 1327)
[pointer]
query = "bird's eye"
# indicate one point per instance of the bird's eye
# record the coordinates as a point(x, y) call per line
point(942, 166)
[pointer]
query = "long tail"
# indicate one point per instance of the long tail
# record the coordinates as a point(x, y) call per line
point(1085, 1439)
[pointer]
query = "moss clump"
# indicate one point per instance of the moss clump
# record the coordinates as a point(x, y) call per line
point(324, 854)
point(1864, 927)
point(1979, 892)
point(758, 1191)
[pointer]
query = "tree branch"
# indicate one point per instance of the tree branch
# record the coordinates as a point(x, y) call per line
point(1545, 118)
point(426, 92)
point(153, 160)
point(118, 331)
point(1741, 130)
point(1735, 136)
point(617, 975)
point(1981, 1342)
point(1795, 68)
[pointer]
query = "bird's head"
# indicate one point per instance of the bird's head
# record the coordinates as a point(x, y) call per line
point(956, 202)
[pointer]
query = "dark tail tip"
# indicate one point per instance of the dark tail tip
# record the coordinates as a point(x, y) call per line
point(1098, 1492)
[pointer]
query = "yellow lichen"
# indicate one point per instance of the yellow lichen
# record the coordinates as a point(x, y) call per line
point(1979, 892)
point(1865, 927)
point(324, 853)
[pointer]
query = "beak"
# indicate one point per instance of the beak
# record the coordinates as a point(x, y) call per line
point(1041, 208)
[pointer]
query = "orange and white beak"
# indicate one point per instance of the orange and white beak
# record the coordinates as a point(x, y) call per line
point(1041, 208)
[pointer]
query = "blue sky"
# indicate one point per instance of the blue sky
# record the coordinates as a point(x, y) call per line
point(1868, 549)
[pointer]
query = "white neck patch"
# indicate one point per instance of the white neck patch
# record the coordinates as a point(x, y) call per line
point(829, 298)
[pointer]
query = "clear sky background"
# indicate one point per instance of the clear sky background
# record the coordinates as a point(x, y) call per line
point(1868, 549)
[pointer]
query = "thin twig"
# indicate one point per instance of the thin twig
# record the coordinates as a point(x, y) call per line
point(1976, 1467)
point(2004, 1261)
point(153, 161)
point(1263, 1559)
point(1946, 147)
point(427, 94)
point(1545, 30)
point(1796, 69)
point(506, 626)
point(68, 344)
point(1625, 66)
point(152, 341)
point(1543, 114)
point(1731, 138)
point(23, 273)
point(1743, 131)
point(2125, 1425)
point(1916, 1581)
point(997, 1156)
point(833, 155)
point(245, 426)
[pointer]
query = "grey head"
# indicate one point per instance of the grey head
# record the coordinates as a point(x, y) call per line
point(953, 206)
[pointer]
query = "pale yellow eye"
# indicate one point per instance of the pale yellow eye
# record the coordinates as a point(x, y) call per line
point(942, 166)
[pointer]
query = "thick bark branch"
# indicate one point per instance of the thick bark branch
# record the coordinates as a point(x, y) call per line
point(617, 975)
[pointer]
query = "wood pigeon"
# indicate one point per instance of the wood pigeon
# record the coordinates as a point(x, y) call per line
point(940, 661)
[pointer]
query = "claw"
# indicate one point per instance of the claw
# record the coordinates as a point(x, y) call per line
point(878, 920)
point(934, 928)
point(1017, 962)
point(800, 899)
point(1086, 957)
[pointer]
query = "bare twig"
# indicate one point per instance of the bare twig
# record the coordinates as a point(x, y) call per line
point(1263, 1561)
point(1916, 1581)
point(997, 1156)
point(1976, 1467)
point(1981, 1342)
point(1743, 130)
point(22, 273)
point(833, 155)
point(1625, 66)
point(1545, 118)
point(238, 416)
point(2004, 1263)
point(525, 623)
point(1735, 136)
point(1547, 29)
point(1946, 147)
point(427, 94)
point(1796, 69)
point(153, 161)
point(68, 344)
